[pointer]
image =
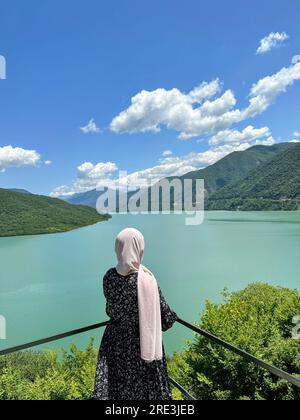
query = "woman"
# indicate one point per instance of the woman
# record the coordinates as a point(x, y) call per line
point(132, 363)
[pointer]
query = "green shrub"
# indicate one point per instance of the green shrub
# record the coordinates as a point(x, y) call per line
point(48, 375)
point(258, 320)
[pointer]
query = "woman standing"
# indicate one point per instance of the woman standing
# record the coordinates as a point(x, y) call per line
point(132, 363)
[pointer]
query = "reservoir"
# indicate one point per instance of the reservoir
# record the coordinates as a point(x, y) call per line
point(51, 284)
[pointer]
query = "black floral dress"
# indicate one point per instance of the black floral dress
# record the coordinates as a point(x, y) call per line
point(121, 373)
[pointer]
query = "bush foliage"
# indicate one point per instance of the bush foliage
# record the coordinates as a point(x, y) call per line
point(258, 320)
point(48, 375)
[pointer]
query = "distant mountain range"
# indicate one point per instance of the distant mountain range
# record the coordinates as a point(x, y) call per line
point(88, 198)
point(243, 180)
point(22, 213)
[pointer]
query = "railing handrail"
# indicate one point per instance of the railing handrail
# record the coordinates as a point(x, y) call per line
point(71, 334)
point(272, 369)
point(53, 338)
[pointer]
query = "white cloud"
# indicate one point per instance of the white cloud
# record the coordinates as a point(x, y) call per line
point(17, 157)
point(63, 190)
point(174, 109)
point(90, 171)
point(88, 177)
point(294, 141)
point(271, 86)
point(249, 134)
point(296, 133)
point(167, 153)
point(273, 40)
point(205, 91)
point(91, 127)
point(48, 162)
point(267, 142)
point(196, 113)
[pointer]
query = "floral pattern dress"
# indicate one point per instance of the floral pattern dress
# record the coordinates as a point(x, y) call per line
point(121, 373)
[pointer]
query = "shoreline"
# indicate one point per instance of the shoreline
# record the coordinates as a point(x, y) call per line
point(55, 233)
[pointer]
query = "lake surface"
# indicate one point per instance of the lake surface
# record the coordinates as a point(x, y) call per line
point(53, 283)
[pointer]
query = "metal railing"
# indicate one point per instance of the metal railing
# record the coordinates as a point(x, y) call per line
point(53, 338)
point(272, 369)
point(247, 356)
point(72, 333)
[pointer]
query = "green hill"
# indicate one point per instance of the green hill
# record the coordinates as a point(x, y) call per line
point(235, 166)
point(273, 185)
point(28, 214)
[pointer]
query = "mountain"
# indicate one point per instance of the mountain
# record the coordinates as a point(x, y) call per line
point(232, 168)
point(88, 198)
point(235, 166)
point(29, 214)
point(273, 185)
point(225, 172)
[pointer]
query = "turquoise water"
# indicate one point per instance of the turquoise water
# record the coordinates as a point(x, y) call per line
point(53, 283)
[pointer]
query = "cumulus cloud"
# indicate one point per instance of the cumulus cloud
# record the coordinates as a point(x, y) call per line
point(267, 142)
point(175, 110)
point(91, 127)
point(296, 133)
point(199, 112)
point(273, 40)
point(294, 141)
point(167, 153)
point(48, 162)
point(249, 134)
point(17, 157)
point(100, 170)
point(88, 177)
point(205, 91)
point(271, 86)
point(63, 191)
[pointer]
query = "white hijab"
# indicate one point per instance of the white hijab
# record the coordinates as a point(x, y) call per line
point(130, 245)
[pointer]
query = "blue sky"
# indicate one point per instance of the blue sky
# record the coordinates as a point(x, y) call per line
point(69, 62)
